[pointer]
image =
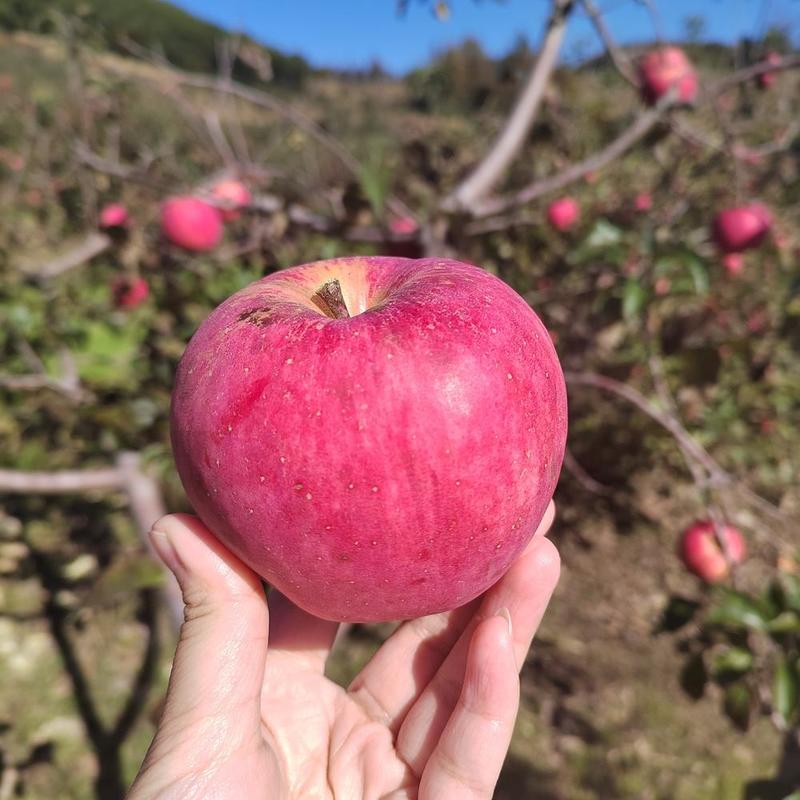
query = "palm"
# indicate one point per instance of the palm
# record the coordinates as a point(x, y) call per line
point(430, 715)
point(305, 716)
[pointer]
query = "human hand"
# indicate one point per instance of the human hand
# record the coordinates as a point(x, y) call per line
point(250, 714)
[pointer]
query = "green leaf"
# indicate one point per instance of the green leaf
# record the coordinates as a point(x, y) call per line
point(108, 355)
point(634, 298)
point(784, 689)
point(693, 676)
point(602, 235)
point(732, 663)
point(737, 611)
point(699, 274)
point(738, 704)
point(679, 612)
point(791, 591)
point(785, 622)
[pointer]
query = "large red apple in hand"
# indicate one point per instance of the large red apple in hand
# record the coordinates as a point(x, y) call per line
point(663, 68)
point(377, 437)
point(741, 228)
point(191, 223)
point(700, 551)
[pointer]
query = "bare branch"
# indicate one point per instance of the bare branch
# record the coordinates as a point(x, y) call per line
point(753, 71)
point(717, 476)
point(641, 125)
point(144, 496)
point(616, 54)
point(91, 247)
point(62, 482)
point(575, 468)
point(484, 177)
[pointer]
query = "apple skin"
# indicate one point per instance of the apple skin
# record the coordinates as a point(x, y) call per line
point(128, 293)
point(643, 202)
point(741, 228)
point(379, 467)
point(702, 555)
point(663, 68)
point(234, 195)
point(191, 223)
point(767, 79)
point(114, 215)
point(563, 213)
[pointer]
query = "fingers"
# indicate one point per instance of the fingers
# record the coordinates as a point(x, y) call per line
point(385, 691)
point(418, 647)
point(467, 760)
point(219, 662)
point(525, 590)
point(293, 630)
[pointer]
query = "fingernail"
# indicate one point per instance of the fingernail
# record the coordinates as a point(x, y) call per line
point(165, 550)
point(506, 615)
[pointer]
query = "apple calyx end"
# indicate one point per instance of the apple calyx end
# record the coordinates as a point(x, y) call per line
point(330, 300)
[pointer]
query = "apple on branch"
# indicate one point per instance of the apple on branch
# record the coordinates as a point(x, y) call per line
point(701, 552)
point(377, 437)
point(191, 223)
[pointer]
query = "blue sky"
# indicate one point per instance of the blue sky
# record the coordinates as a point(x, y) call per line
point(353, 33)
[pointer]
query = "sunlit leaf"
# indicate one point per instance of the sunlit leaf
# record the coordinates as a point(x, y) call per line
point(784, 689)
point(738, 704)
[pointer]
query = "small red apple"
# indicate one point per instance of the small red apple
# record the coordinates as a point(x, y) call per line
point(114, 215)
point(563, 213)
point(377, 437)
point(643, 202)
point(233, 196)
point(701, 553)
point(741, 228)
point(767, 79)
point(403, 225)
point(663, 68)
point(191, 223)
point(733, 263)
point(129, 293)
point(662, 286)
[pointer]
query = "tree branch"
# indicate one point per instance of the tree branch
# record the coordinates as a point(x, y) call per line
point(717, 476)
point(144, 496)
point(92, 246)
point(615, 53)
point(641, 125)
point(467, 195)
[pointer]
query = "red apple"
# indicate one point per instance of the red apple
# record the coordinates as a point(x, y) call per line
point(114, 215)
point(643, 202)
point(767, 79)
point(191, 223)
point(403, 225)
point(377, 437)
point(741, 228)
point(700, 551)
point(563, 213)
point(733, 263)
point(663, 68)
point(233, 196)
point(129, 293)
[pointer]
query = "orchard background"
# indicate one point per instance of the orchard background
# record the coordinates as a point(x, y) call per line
point(683, 363)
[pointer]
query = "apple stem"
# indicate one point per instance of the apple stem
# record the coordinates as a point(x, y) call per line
point(330, 300)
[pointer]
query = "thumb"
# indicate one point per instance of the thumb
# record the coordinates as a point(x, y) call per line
point(219, 663)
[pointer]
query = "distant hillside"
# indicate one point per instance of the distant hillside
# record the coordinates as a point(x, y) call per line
point(188, 42)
